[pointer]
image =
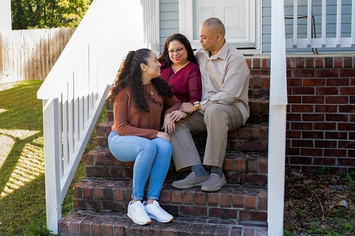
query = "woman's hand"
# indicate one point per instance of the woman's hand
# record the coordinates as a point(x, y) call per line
point(169, 125)
point(177, 115)
point(163, 135)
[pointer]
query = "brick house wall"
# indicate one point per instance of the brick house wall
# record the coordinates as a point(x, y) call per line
point(320, 110)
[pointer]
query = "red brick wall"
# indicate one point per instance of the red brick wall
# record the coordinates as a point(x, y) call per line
point(320, 110)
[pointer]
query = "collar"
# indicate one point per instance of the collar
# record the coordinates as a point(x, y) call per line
point(222, 53)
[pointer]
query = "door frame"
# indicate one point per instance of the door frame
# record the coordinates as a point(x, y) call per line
point(186, 25)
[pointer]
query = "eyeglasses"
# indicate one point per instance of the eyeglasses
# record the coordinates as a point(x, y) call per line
point(178, 50)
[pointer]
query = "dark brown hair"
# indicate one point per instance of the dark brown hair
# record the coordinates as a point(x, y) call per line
point(130, 73)
point(183, 40)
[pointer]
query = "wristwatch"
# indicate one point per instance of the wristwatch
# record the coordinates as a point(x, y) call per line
point(197, 105)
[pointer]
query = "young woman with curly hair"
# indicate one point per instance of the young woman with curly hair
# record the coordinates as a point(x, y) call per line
point(139, 96)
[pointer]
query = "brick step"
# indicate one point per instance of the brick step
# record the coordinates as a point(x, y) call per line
point(233, 201)
point(249, 138)
point(239, 168)
point(91, 223)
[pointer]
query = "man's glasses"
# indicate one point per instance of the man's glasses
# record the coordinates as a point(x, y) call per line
point(178, 50)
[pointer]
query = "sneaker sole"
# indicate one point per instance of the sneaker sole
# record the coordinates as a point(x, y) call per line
point(214, 189)
point(190, 185)
point(187, 186)
point(139, 223)
point(162, 221)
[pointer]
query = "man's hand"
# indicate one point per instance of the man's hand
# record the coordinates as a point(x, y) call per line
point(187, 107)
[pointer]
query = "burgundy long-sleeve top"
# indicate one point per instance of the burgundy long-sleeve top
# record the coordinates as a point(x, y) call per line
point(128, 120)
point(185, 83)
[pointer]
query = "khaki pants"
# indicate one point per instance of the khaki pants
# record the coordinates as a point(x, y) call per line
point(217, 121)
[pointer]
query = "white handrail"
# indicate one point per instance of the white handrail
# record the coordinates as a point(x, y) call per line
point(75, 90)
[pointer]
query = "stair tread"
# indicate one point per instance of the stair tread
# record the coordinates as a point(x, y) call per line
point(93, 182)
point(239, 167)
point(233, 201)
point(118, 223)
point(102, 180)
point(229, 155)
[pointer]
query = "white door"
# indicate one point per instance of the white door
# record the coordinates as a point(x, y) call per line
point(239, 17)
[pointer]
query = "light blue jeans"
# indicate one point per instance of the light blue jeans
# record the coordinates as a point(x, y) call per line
point(151, 160)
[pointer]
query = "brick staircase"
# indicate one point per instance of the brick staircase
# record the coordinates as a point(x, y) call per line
point(240, 208)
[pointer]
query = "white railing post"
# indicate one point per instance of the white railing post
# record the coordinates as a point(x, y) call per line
point(52, 163)
point(309, 23)
point(277, 121)
point(295, 22)
point(338, 25)
point(324, 23)
point(353, 24)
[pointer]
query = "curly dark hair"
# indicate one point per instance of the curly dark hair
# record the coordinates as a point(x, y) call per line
point(130, 73)
point(183, 40)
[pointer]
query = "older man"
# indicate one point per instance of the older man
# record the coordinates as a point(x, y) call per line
point(223, 107)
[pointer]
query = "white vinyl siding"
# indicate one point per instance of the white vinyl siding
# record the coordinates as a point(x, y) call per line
point(169, 19)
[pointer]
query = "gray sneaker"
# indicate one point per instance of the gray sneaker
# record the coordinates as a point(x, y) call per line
point(214, 183)
point(190, 181)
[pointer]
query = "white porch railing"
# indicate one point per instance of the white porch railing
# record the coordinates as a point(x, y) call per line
point(278, 85)
point(330, 33)
point(75, 90)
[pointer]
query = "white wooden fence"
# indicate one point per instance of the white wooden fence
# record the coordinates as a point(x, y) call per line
point(31, 54)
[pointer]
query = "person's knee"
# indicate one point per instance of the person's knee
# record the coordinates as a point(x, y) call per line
point(215, 111)
point(165, 147)
point(149, 147)
point(181, 124)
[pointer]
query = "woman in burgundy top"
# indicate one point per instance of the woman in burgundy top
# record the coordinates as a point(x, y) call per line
point(179, 68)
point(138, 97)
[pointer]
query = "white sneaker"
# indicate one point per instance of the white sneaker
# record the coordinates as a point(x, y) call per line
point(137, 213)
point(156, 212)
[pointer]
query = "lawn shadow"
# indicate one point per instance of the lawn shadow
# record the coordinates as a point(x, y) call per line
point(21, 132)
point(11, 162)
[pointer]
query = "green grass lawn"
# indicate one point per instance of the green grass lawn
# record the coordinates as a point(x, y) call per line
point(22, 188)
